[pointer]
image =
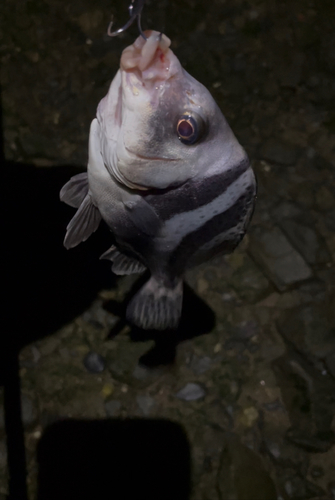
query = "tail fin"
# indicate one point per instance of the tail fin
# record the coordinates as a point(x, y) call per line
point(156, 306)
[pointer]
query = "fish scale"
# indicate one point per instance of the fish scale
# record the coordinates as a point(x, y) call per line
point(166, 174)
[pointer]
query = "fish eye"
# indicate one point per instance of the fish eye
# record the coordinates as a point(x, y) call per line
point(190, 128)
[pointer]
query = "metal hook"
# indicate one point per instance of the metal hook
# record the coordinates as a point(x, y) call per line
point(135, 11)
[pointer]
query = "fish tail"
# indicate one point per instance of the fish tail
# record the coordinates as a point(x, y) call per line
point(157, 306)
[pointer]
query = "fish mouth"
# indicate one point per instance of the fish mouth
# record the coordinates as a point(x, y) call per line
point(151, 158)
point(151, 61)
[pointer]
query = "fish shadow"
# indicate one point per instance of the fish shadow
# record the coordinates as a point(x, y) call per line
point(197, 319)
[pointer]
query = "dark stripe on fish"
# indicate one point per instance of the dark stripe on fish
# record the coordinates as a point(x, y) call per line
point(194, 193)
point(220, 223)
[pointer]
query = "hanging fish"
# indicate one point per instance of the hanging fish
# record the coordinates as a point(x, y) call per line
point(167, 175)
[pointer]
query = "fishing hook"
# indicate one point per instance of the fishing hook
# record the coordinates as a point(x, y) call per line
point(135, 11)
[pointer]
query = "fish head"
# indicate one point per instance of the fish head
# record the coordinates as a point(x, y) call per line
point(159, 126)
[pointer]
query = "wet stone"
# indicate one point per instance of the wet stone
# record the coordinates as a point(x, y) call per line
point(191, 392)
point(306, 241)
point(311, 330)
point(145, 403)
point(238, 461)
point(94, 362)
point(308, 395)
point(280, 261)
point(112, 407)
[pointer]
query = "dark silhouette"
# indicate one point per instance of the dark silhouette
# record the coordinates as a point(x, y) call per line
point(114, 459)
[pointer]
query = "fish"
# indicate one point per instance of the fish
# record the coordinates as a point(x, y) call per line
point(166, 174)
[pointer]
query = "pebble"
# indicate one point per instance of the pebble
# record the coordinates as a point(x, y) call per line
point(112, 407)
point(107, 390)
point(201, 365)
point(250, 415)
point(191, 392)
point(36, 353)
point(273, 449)
point(94, 362)
point(217, 348)
point(145, 403)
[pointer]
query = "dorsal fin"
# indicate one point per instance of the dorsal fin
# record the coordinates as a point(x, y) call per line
point(75, 190)
point(83, 224)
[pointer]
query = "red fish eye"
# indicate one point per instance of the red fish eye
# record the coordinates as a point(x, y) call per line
point(190, 128)
point(185, 129)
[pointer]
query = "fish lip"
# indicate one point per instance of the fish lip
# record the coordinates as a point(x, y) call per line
point(151, 158)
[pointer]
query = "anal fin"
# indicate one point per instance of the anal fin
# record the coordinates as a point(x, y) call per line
point(83, 224)
point(122, 264)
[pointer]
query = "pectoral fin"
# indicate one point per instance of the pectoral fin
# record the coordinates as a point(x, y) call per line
point(75, 190)
point(83, 224)
point(143, 216)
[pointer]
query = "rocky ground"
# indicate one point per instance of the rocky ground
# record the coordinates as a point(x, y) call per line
point(254, 389)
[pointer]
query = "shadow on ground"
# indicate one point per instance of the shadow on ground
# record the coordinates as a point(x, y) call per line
point(114, 459)
point(46, 287)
